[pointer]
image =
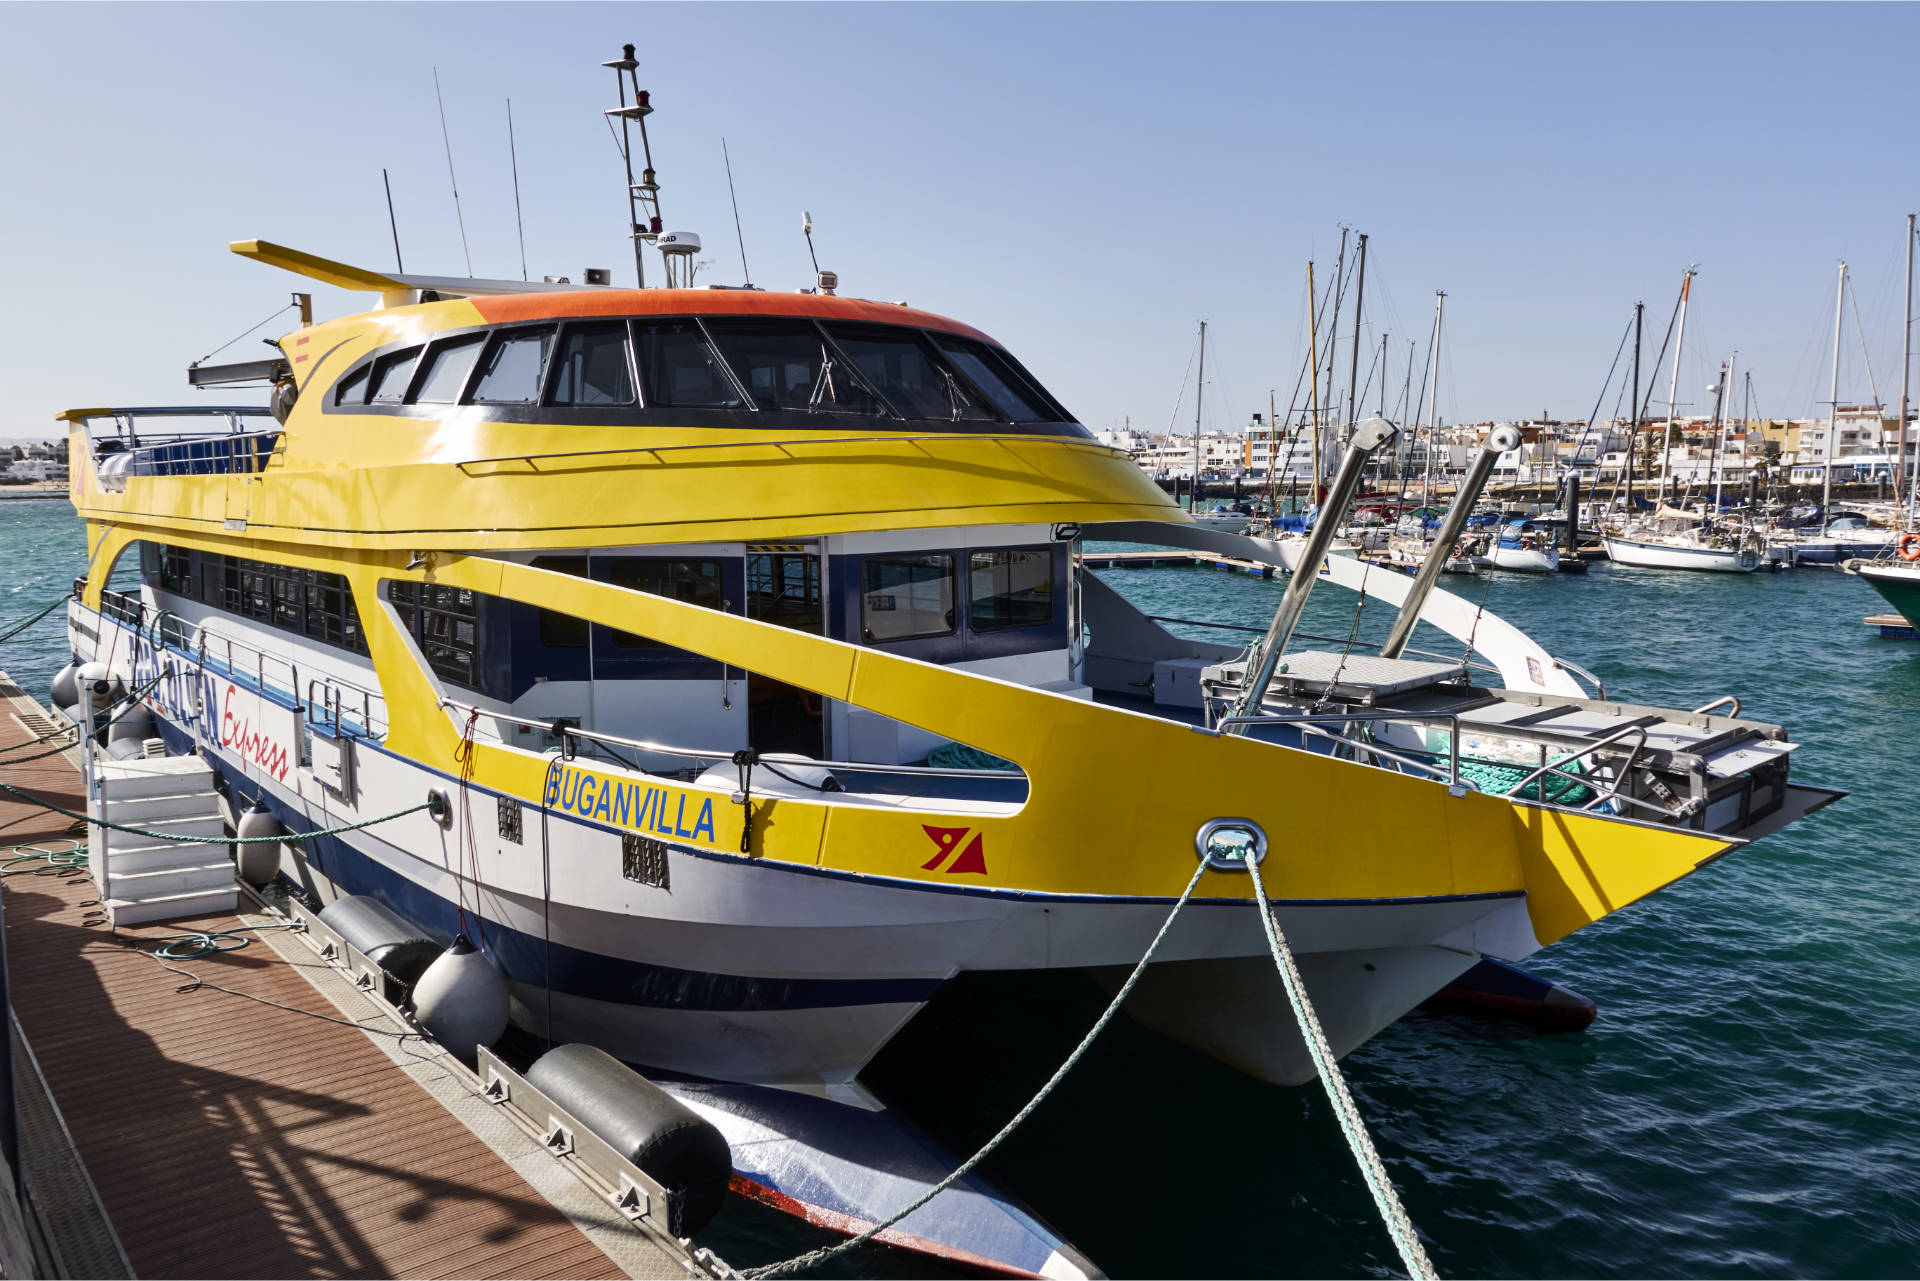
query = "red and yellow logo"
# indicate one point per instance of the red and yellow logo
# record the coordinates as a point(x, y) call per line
point(972, 858)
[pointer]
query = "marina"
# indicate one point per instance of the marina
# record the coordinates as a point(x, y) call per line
point(660, 770)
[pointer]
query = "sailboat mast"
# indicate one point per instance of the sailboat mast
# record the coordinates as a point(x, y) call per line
point(1353, 363)
point(1199, 390)
point(1720, 401)
point(1906, 367)
point(1433, 406)
point(1633, 428)
point(1673, 386)
point(1313, 390)
point(1833, 403)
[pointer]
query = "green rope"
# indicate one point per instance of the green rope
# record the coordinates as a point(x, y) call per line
point(57, 861)
point(17, 628)
point(214, 840)
point(198, 943)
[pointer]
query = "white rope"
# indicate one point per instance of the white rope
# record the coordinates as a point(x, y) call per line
point(802, 1262)
point(1399, 1226)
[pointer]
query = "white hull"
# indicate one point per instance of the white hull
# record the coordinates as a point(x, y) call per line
point(1522, 560)
point(1663, 555)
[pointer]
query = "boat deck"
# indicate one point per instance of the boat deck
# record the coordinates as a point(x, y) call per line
point(291, 1132)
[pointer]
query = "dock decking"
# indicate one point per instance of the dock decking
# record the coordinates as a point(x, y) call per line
point(271, 1136)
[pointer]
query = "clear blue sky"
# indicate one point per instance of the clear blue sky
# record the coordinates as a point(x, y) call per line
point(1082, 182)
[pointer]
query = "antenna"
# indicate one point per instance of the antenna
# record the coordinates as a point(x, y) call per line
point(514, 156)
point(392, 222)
point(745, 272)
point(642, 196)
point(825, 281)
point(451, 181)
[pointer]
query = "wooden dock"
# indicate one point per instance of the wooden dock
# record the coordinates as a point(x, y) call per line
point(255, 1115)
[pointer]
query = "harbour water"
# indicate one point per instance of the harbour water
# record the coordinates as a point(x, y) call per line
point(1745, 1104)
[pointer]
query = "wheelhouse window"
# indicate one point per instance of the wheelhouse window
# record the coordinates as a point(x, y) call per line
point(788, 364)
point(511, 369)
point(906, 597)
point(697, 582)
point(1002, 382)
point(352, 390)
point(592, 366)
point(445, 370)
point(391, 374)
point(176, 570)
point(681, 370)
point(906, 370)
point(1011, 587)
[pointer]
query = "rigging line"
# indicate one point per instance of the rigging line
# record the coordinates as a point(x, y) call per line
point(746, 273)
point(447, 140)
point(1174, 417)
point(1865, 357)
point(513, 155)
point(1601, 398)
point(231, 341)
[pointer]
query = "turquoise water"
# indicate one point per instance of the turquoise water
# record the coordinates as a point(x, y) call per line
point(1747, 1104)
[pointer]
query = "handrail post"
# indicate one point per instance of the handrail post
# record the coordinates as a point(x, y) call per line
point(1499, 441)
point(1369, 436)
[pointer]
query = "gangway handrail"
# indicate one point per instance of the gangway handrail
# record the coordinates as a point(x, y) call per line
point(1721, 702)
point(1556, 767)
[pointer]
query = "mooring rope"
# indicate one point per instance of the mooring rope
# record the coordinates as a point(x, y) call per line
point(178, 839)
point(14, 629)
point(1399, 1226)
point(802, 1262)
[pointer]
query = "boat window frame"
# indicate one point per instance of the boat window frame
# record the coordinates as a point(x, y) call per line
point(951, 555)
point(573, 324)
point(1042, 551)
point(502, 335)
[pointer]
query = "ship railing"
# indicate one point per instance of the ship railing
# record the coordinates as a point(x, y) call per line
point(1470, 661)
point(126, 422)
point(567, 733)
point(1605, 790)
point(227, 445)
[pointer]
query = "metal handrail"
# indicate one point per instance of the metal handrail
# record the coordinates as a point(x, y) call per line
point(1599, 686)
point(1452, 723)
point(1555, 767)
point(891, 438)
point(710, 754)
point(1721, 702)
point(1342, 640)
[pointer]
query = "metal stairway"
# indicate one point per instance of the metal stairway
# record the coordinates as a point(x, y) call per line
point(142, 878)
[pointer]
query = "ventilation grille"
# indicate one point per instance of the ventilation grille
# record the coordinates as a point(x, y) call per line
point(509, 819)
point(643, 859)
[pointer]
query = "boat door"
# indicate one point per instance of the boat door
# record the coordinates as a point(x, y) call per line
point(784, 588)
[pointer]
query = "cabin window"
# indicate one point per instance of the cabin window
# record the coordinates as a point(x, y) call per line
point(445, 370)
point(445, 622)
point(909, 373)
point(1012, 587)
point(681, 370)
point(510, 371)
point(592, 366)
point(557, 630)
point(176, 570)
point(789, 365)
point(391, 374)
point(1000, 381)
point(906, 597)
point(352, 390)
point(696, 582)
point(289, 597)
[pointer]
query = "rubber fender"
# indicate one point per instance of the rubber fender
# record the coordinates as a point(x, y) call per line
point(66, 685)
point(135, 723)
point(388, 939)
point(679, 1149)
point(259, 861)
point(462, 999)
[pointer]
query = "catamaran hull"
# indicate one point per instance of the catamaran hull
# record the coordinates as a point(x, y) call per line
point(1644, 555)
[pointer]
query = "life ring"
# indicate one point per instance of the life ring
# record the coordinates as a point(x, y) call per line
point(1910, 547)
point(1462, 549)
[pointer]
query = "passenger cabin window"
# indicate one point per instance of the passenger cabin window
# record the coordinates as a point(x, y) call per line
point(592, 366)
point(905, 597)
point(909, 373)
point(511, 369)
point(681, 370)
point(445, 622)
point(1005, 388)
point(391, 374)
point(1010, 588)
point(788, 364)
point(557, 630)
point(446, 368)
point(696, 582)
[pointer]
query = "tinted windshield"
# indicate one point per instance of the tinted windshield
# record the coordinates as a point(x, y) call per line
point(787, 364)
point(906, 369)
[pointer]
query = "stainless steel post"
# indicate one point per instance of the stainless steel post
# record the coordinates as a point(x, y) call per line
point(1498, 442)
point(1367, 437)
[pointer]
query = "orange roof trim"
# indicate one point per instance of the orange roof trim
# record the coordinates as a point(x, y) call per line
point(501, 308)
